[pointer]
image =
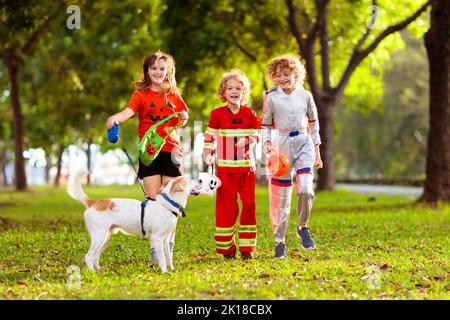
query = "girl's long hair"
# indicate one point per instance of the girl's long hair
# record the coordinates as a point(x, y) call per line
point(169, 83)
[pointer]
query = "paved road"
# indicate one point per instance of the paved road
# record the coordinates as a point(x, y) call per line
point(413, 192)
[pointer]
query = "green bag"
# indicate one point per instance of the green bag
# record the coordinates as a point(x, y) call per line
point(152, 142)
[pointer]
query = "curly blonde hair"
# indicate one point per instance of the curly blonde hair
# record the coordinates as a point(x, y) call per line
point(286, 62)
point(239, 76)
point(169, 84)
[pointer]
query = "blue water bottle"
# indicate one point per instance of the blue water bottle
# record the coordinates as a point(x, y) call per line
point(113, 133)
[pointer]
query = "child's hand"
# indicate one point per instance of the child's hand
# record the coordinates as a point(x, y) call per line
point(207, 157)
point(252, 142)
point(241, 143)
point(110, 122)
point(119, 117)
point(267, 148)
point(184, 115)
point(318, 162)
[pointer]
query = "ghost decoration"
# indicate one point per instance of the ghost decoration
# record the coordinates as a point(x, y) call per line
point(210, 183)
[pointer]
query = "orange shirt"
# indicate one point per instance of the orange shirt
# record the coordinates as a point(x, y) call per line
point(153, 106)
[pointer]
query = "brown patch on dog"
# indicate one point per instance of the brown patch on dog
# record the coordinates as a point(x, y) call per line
point(178, 185)
point(100, 205)
point(89, 202)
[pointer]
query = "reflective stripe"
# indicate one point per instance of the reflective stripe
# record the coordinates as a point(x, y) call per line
point(223, 232)
point(228, 228)
point(247, 242)
point(281, 182)
point(211, 131)
point(208, 145)
point(247, 229)
point(224, 245)
point(304, 170)
point(237, 132)
point(235, 163)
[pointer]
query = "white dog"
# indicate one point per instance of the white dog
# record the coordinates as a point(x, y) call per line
point(156, 221)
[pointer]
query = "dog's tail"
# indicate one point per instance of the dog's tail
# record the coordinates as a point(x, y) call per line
point(74, 188)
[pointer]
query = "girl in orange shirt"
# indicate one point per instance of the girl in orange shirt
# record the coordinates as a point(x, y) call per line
point(156, 97)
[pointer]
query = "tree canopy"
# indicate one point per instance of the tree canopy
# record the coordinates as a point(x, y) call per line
point(71, 80)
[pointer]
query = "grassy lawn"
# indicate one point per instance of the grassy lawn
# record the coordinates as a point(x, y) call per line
point(368, 247)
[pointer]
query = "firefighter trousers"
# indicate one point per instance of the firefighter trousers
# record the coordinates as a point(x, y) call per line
point(227, 212)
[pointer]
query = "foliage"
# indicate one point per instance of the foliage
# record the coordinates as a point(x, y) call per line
point(229, 32)
point(209, 38)
point(390, 141)
point(76, 78)
point(42, 234)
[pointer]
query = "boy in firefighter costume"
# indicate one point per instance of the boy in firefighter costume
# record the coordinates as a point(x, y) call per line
point(234, 128)
point(290, 109)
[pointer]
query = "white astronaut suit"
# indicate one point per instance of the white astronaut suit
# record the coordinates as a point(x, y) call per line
point(290, 115)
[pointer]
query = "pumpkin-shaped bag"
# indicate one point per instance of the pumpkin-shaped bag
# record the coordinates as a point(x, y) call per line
point(152, 143)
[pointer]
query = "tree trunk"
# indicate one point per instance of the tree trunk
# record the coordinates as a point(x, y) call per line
point(89, 160)
point(11, 62)
point(2, 168)
point(57, 181)
point(48, 166)
point(326, 119)
point(437, 42)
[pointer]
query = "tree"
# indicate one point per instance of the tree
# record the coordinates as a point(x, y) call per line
point(23, 24)
point(308, 34)
point(208, 37)
point(106, 57)
point(334, 40)
point(78, 77)
point(389, 141)
point(437, 42)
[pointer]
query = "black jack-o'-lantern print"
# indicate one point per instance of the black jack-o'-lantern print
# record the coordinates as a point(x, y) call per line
point(157, 116)
point(159, 112)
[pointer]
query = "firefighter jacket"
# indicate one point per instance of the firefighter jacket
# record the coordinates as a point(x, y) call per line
point(226, 129)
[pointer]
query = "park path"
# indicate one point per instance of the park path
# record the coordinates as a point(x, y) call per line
point(413, 192)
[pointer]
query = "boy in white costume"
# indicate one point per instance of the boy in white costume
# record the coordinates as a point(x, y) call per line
point(290, 110)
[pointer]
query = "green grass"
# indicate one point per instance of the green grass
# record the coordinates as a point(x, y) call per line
point(42, 233)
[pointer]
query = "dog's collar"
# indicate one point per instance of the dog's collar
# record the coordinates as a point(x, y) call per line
point(175, 208)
